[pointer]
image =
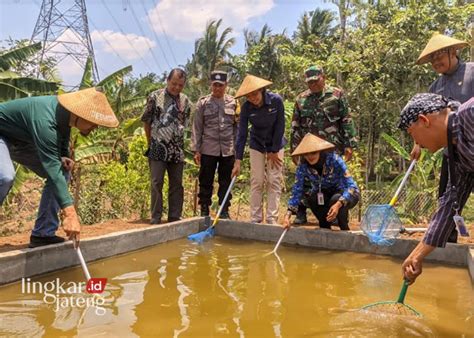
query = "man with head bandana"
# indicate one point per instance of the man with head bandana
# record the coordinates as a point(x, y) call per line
point(456, 81)
point(435, 122)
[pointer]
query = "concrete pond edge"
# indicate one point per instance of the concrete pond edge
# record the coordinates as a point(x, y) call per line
point(16, 264)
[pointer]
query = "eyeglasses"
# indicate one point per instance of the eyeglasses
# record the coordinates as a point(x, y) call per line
point(436, 55)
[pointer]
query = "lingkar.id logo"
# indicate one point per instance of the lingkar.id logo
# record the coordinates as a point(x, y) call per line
point(69, 294)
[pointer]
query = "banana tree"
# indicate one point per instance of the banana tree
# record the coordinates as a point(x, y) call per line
point(426, 168)
point(104, 145)
point(420, 194)
point(101, 145)
point(14, 85)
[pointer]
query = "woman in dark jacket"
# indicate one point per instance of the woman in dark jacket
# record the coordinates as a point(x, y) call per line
point(265, 112)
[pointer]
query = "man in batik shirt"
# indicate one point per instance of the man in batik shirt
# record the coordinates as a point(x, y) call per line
point(165, 118)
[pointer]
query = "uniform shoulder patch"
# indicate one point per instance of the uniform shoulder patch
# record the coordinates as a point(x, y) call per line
point(306, 93)
point(203, 97)
point(229, 98)
point(337, 92)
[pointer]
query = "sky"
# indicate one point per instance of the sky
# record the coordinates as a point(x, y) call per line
point(153, 35)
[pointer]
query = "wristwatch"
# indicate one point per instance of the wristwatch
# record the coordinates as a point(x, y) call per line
point(343, 201)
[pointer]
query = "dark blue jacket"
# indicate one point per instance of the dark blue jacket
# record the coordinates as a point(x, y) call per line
point(268, 126)
point(334, 177)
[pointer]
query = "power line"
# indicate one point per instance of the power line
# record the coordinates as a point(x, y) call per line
point(164, 33)
point(156, 36)
point(143, 33)
point(126, 36)
point(54, 20)
point(108, 43)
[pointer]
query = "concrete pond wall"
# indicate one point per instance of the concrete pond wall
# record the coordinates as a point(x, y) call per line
point(16, 264)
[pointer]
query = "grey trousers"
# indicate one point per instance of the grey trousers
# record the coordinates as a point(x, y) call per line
point(175, 190)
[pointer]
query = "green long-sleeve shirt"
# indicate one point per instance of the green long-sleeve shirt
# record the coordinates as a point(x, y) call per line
point(44, 124)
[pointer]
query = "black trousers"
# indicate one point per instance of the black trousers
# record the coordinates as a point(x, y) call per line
point(209, 164)
point(321, 211)
point(443, 183)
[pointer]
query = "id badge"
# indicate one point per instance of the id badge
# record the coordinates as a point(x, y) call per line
point(460, 225)
point(320, 198)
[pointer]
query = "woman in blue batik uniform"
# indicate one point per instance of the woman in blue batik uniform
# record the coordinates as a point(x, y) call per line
point(333, 190)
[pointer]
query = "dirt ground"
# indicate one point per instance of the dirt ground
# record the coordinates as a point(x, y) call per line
point(20, 240)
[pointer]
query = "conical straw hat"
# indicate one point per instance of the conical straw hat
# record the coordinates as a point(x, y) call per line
point(250, 84)
point(311, 143)
point(91, 105)
point(436, 43)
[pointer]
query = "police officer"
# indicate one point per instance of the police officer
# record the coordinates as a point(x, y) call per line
point(322, 110)
point(213, 139)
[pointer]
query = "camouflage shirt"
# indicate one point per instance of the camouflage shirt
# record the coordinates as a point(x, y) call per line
point(325, 115)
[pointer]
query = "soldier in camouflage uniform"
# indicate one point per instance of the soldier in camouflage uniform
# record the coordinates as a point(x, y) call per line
point(322, 110)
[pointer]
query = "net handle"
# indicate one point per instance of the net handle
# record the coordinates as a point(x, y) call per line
point(402, 184)
point(403, 292)
point(224, 201)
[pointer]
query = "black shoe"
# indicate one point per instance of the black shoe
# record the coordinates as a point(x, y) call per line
point(155, 221)
point(173, 219)
point(36, 241)
point(224, 215)
point(300, 219)
point(204, 210)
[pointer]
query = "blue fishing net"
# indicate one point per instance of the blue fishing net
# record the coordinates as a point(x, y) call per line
point(201, 236)
point(381, 224)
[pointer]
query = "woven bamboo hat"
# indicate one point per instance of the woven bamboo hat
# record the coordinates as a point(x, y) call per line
point(439, 42)
point(250, 84)
point(311, 143)
point(91, 105)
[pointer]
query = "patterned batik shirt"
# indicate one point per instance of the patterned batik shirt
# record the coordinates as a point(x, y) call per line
point(326, 115)
point(168, 117)
point(334, 177)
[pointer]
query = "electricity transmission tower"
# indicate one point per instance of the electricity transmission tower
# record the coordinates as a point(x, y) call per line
point(63, 29)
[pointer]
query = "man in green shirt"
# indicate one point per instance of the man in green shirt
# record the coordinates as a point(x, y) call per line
point(35, 132)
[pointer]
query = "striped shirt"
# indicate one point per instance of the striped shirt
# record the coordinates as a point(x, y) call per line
point(442, 222)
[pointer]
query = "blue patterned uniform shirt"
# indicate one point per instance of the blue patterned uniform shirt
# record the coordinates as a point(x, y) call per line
point(334, 177)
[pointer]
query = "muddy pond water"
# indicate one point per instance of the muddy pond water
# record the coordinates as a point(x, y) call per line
point(229, 288)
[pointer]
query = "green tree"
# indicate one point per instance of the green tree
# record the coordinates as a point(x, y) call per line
point(15, 85)
point(263, 56)
point(253, 38)
point(315, 25)
point(212, 50)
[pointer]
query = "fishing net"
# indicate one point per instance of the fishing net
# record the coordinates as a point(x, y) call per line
point(381, 224)
point(201, 236)
point(393, 307)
